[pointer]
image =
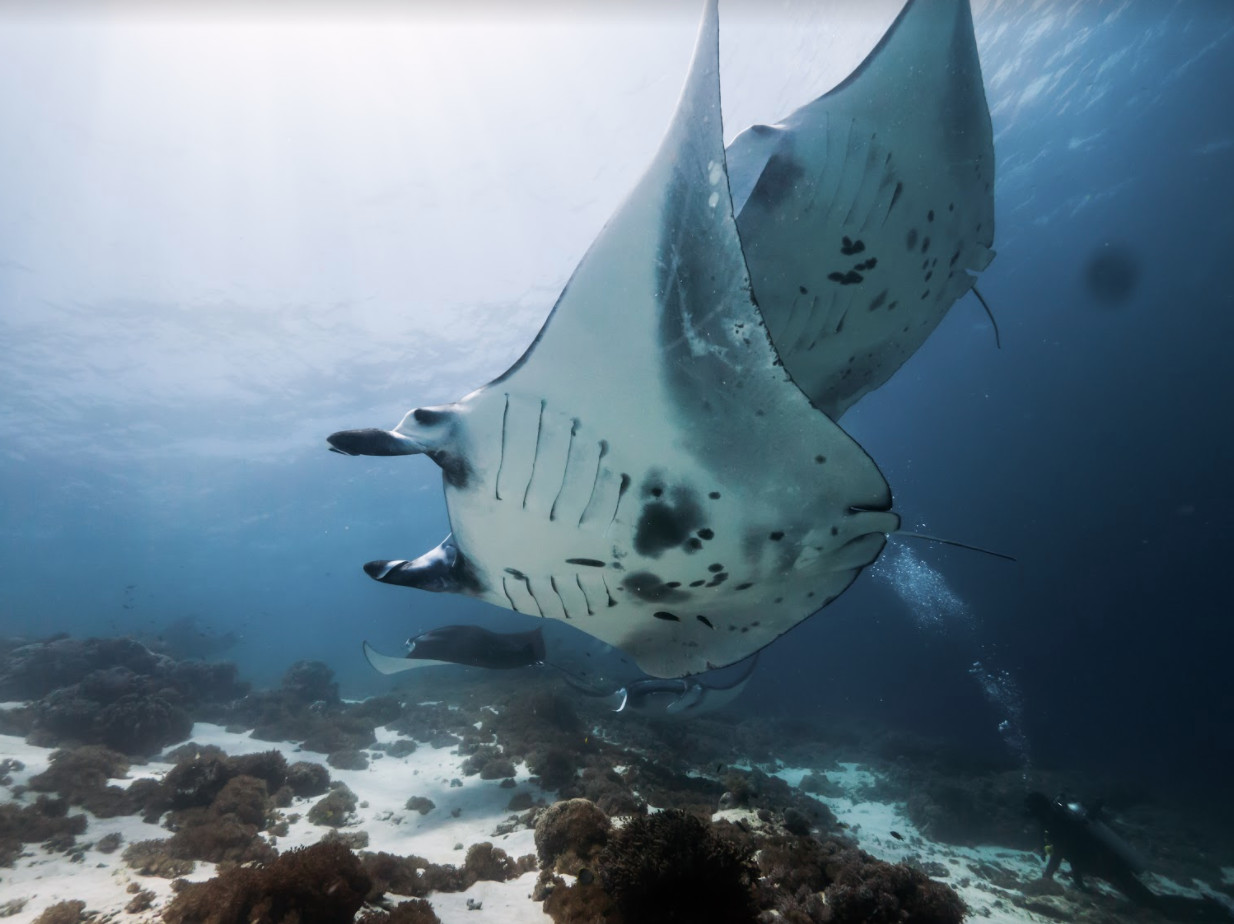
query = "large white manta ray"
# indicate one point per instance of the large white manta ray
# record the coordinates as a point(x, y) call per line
point(662, 467)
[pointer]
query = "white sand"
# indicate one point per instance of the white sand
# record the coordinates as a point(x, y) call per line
point(101, 881)
point(43, 879)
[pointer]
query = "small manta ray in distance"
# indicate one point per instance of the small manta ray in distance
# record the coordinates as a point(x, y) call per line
point(663, 467)
point(474, 646)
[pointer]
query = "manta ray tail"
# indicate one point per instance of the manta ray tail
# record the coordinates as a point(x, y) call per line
point(959, 545)
point(998, 341)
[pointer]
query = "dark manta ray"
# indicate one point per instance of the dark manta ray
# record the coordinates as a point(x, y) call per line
point(662, 466)
point(472, 646)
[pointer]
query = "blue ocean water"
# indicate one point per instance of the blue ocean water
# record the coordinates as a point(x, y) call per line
point(223, 241)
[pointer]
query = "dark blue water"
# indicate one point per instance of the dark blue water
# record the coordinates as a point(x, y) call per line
point(1094, 446)
point(161, 438)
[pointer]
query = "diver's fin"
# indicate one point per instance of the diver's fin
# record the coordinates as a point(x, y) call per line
point(959, 545)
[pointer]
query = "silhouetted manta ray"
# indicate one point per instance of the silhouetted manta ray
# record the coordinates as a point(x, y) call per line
point(662, 466)
point(474, 646)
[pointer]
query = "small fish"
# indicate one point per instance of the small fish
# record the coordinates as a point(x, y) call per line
point(897, 835)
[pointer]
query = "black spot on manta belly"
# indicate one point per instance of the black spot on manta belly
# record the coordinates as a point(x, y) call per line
point(662, 614)
point(650, 587)
point(912, 239)
point(714, 495)
point(848, 246)
point(589, 562)
point(705, 621)
point(705, 533)
point(667, 524)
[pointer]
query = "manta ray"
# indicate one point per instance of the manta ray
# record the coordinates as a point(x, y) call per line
point(664, 466)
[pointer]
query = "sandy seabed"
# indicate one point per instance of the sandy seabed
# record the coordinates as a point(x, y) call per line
point(468, 810)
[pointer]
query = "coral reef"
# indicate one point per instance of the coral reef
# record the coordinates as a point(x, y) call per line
point(322, 884)
point(568, 835)
point(415, 911)
point(67, 912)
point(81, 775)
point(671, 866)
point(306, 708)
point(150, 858)
point(46, 820)
point(420, 804)
point(349, 759)
point(414, 876)
point(872, 892)
point(113, 692)
point(544, 730)
point(309, 682)
point(308, 779)
point(334, 808)
point(484, 861)
point(967, 811)
point(488, 761)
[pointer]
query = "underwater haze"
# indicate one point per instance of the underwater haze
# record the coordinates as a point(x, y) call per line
point(224, 236)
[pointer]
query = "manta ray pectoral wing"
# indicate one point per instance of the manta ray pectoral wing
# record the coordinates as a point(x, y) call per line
point(689, 699)
point(865, 212)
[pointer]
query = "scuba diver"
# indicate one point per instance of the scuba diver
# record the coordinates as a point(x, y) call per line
point(1091, 848)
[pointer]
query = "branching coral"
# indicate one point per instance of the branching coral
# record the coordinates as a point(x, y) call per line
point(308, 779)
point(569, 833)
point(671, 867)
point(872, 892)
point(46, 819)
point(416, 911)
point(80, 775)
point(322, 884)
point(333, 808)
point(412, 875)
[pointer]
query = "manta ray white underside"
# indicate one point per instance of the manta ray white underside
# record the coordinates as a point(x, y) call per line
point(663, 467)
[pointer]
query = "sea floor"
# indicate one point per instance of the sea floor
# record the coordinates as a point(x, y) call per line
point(491, 786)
